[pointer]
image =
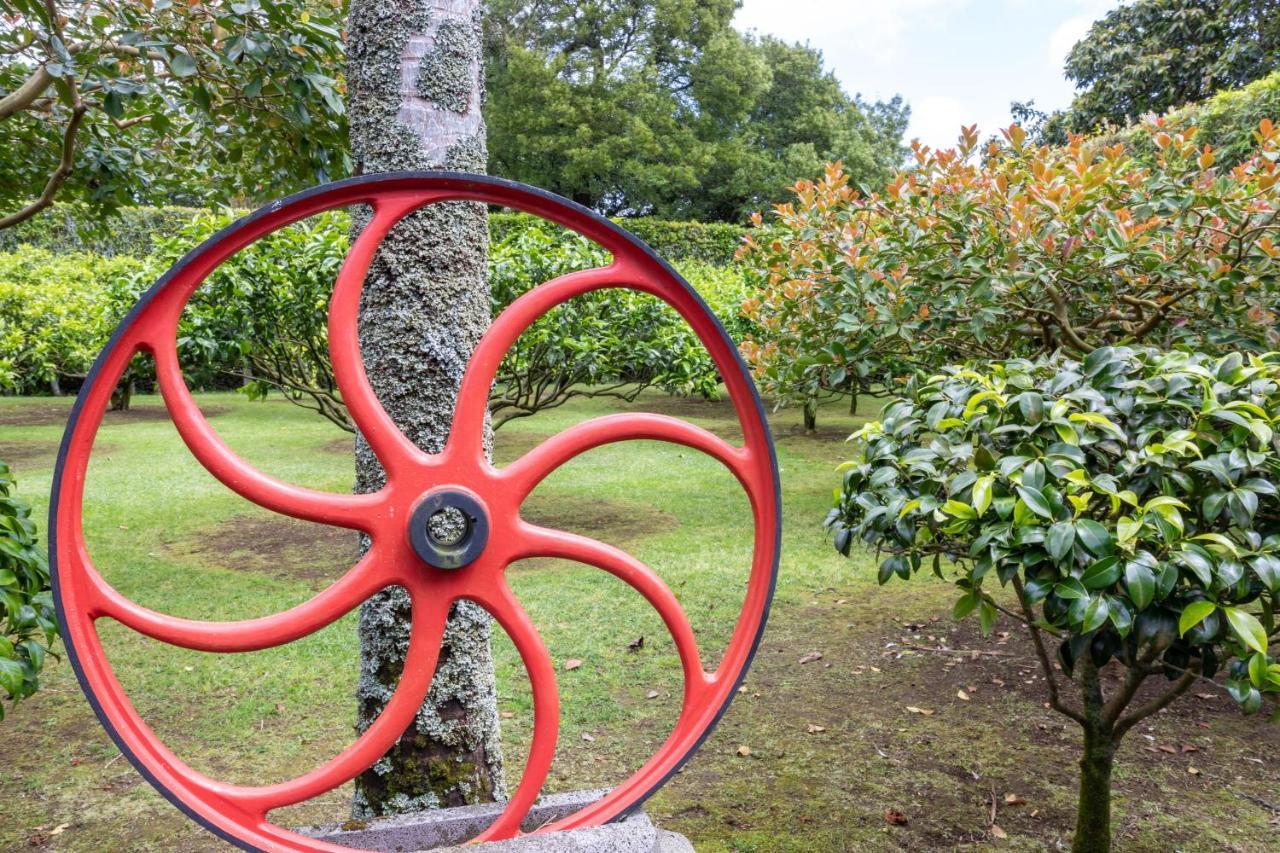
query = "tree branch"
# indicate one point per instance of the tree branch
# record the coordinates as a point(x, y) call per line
point(23, 96)
point(1050, 676)
point(59, 175)
point(1142, 712)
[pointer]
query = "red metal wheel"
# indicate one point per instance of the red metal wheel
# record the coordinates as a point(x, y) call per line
point(433, 574)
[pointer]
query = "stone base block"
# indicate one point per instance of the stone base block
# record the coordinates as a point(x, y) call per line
point(447, 829)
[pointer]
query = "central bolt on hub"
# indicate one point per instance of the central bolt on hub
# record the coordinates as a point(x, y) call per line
point(449, 529)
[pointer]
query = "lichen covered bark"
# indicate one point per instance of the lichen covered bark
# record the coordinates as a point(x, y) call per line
point(414, 94)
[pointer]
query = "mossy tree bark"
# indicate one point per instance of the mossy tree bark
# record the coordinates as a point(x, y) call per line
point(1093, 811)
point(415, 87)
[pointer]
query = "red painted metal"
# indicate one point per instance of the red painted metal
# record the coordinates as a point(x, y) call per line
point(240, 813)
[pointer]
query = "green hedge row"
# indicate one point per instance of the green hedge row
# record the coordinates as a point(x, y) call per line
point(132, 232)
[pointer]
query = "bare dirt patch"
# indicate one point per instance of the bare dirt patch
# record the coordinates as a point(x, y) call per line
point(609, 521)
point(277, 546)
point(56, 414)
point(22, 454)
point(878, 723)
point(685, 407)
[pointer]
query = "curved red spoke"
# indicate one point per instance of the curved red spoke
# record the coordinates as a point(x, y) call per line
point(529, 470)
point(546, 711)
point(467, 436)
point(384, 437)
point(546, 542)
point(361, 581)
point(341, 510)
point(428, 623)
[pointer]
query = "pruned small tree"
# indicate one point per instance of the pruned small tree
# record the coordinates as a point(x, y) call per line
point(1123, 508)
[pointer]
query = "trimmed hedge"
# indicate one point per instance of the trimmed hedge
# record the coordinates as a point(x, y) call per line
point(132, 232)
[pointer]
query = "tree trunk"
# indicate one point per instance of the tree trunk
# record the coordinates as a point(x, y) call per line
point(415, 87)
point(810, 414)
point(853, 402)
point(1093, 812)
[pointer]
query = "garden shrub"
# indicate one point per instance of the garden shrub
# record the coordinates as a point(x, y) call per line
point(1227, 121)
point(26, 604)
point(136, 231)
point(267, 307)
point(1014, 250)
point(56, 313)
point(1128, 500)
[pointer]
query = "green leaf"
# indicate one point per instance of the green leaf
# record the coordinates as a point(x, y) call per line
point(1102, 573)
point(1258, 669)
point(1095, 614)
point(987, 617)
point(1141, 583)
point(1094, 536)
point(182, 65)
point(1035, 501)
point(959, 509)
point(1193, 614)
point(965, 605)
point(1247, 628)
point(1060, 538)
point(982, 493)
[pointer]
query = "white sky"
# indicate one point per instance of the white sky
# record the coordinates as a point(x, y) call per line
point(954, 61)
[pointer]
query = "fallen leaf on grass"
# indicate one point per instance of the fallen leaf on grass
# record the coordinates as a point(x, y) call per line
point(1164, 747)
point(1014, 800)
point(962, 696)
point(1186, 747)
point(589, 738)
point(636, 645)
point(1194, 771)
point(652, 694)
point(914, 710)
point(893, 817)
point(1206, 696)
point(744, 750)
point(811, 657)
point(813, 729)
point(997, 832)
point(572, 663)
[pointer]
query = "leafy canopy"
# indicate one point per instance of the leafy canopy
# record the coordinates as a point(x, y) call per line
point(660, 107)
point(1021, 251)
point(115, 102)
point(1130, 499)
point(1152, 56)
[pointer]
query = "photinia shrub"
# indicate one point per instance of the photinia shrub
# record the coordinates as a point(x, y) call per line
point(26, 604)
point(1129, 503)
point(1012, 250)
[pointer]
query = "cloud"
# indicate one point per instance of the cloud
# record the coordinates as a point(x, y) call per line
point(1065, 36)
point(878, 28)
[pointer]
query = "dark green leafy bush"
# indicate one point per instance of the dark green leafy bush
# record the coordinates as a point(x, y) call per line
point(135, 230)
point(26, 604)
point(1129, 500)
point(263, 314)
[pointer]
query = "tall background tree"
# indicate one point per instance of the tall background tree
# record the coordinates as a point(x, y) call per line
point(1152, 56)
point(661, 107)
point(114, 103)
point(415, 88)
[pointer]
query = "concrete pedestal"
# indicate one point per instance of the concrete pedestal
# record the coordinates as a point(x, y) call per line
point(447, 829)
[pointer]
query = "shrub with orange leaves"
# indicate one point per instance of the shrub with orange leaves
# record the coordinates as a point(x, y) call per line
point(1011, 250)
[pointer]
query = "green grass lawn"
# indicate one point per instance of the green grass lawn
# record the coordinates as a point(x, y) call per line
point(832, 744)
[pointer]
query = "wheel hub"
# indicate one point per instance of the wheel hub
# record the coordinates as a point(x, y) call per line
point(449, 528)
